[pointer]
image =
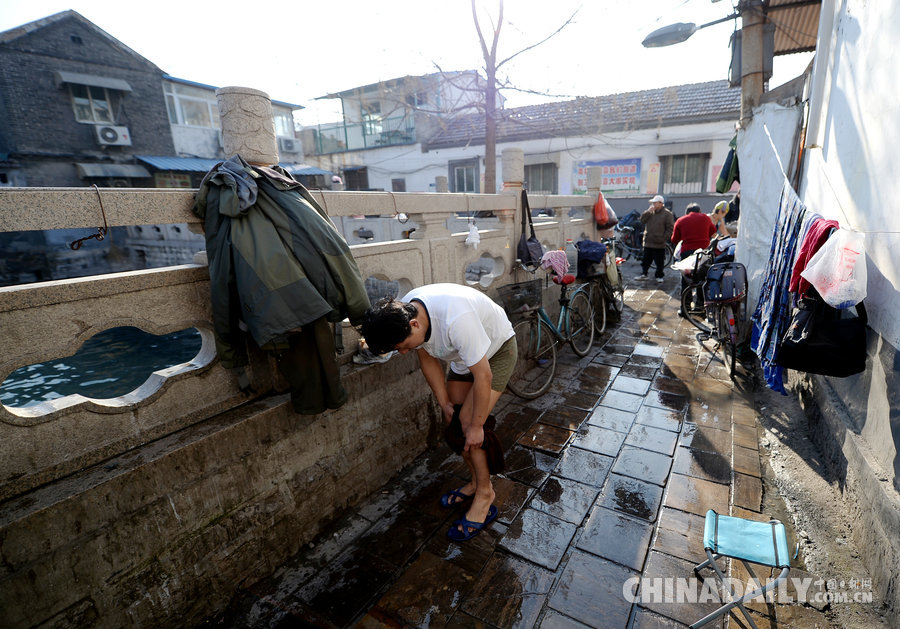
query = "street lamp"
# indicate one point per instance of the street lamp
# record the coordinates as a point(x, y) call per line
point(679, 32)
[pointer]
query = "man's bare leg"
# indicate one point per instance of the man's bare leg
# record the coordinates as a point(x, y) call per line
point(477, 460)
point(457, 391)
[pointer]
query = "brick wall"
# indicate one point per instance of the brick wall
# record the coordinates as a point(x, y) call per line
point(40, 125)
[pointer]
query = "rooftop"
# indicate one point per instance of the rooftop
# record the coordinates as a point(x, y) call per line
point(667, 106)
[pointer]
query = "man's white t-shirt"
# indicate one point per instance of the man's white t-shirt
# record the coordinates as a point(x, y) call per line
point(466, 324)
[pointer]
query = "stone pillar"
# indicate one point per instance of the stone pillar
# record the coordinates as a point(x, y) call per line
point(440, 184)
point(513, 169)
point(248, 125)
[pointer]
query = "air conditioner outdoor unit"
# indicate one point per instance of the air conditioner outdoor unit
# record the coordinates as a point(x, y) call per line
point(113, 136)
point(288, 145)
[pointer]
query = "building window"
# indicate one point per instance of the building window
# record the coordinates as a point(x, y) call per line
point(684, 174)
point(284, 124)
point(191, 106)
point(92, 104)
point(541, 178)
point(356, 179)
point(371, 115)
point(398, 185)
point(464, 176)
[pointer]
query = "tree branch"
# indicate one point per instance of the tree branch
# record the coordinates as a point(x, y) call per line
point(553, 34)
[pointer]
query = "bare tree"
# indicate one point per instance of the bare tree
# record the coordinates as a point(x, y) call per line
point(492, 87)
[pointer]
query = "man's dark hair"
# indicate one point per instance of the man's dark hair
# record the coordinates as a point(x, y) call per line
point(692, 207)
point(387, 323)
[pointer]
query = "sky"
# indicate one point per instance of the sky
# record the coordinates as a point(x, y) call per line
point(301, 50)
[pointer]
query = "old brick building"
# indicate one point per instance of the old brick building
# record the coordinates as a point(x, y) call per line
point(76, 105)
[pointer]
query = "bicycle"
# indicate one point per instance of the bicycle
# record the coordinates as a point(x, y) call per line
point(606, 293)
point(629, 242)
point(536, 334)
point(723, 314)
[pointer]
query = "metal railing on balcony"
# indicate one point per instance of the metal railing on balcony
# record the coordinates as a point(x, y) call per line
point(342, 136)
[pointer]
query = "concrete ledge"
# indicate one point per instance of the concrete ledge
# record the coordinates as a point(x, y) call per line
point(865, 484)
point(165, 534)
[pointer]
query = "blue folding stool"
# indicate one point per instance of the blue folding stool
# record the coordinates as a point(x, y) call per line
point(762, 543)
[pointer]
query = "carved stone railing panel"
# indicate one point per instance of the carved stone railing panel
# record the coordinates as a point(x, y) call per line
point(51, 320)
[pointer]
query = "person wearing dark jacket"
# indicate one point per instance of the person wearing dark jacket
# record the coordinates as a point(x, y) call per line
point(658, 224)
point(694, 231)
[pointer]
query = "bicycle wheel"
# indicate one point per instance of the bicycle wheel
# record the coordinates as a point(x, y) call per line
point(696, 316)
point(536, 360)
point(670, 255)
point(617, 297)
point(580, 323)
point(727, 337)
point(598, 303)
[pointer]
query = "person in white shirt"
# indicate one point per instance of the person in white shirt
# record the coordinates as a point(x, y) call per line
point(463, 326)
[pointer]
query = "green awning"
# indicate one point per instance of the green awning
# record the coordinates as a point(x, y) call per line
point(91, 79)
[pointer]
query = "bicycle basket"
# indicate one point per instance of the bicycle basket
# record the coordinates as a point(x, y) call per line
point(726, 281)
point(520, 298)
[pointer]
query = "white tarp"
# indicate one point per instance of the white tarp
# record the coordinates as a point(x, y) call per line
point(762, 147)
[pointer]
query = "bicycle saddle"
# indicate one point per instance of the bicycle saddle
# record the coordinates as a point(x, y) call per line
point(566, 279)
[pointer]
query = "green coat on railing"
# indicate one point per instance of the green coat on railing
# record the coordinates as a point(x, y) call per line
point(277, 263)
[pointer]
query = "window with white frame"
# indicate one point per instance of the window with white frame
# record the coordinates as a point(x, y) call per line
point(371, 116)
point(541, 178)
point(191, 106)
point(684, 174)
point(91, 103)
point(284, 124)
point(464, 176)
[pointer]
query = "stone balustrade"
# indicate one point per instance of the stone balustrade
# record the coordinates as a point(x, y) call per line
point(106, 494)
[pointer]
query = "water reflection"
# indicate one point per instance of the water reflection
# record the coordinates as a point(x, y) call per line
point(109, 364)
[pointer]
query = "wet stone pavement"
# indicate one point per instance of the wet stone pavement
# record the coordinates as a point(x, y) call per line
point(609, 476)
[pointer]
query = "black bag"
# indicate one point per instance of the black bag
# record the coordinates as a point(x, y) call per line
point(529, 250)
point(820, 341)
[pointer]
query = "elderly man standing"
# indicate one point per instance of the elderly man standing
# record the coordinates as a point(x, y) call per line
point(658, 225)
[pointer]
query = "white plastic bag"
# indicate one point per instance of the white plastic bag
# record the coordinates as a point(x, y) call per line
point(473, 238)
point(838, 269)
point(687, 264)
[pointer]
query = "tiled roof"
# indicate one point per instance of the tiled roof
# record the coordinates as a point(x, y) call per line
point(662, 107)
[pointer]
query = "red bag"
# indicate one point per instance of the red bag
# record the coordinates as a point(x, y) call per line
point(600, 213)
point(602, 216)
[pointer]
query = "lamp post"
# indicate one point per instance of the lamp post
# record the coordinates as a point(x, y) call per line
point(752, 21)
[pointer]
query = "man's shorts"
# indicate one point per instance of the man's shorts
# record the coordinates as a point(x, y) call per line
point(502, 364)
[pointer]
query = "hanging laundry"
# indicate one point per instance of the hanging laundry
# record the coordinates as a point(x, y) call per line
point(730, 172)
point(815, 237)
point(773, 310)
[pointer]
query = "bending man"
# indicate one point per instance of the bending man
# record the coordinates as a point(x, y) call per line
point(465, 327)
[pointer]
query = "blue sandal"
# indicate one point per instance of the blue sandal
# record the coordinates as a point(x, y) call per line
point(470, 529)
point(448, 500)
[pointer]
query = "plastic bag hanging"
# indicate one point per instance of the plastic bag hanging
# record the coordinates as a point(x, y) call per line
point(473, 238)
point(838, 269)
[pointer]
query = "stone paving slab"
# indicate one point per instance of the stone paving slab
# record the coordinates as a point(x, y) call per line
point(590, 590)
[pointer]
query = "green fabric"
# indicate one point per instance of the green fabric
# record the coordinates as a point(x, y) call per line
point(276, 265)
point(730, 172)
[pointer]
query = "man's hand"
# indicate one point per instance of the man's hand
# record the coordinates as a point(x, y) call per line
point(448, 412)
point(474, 438)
